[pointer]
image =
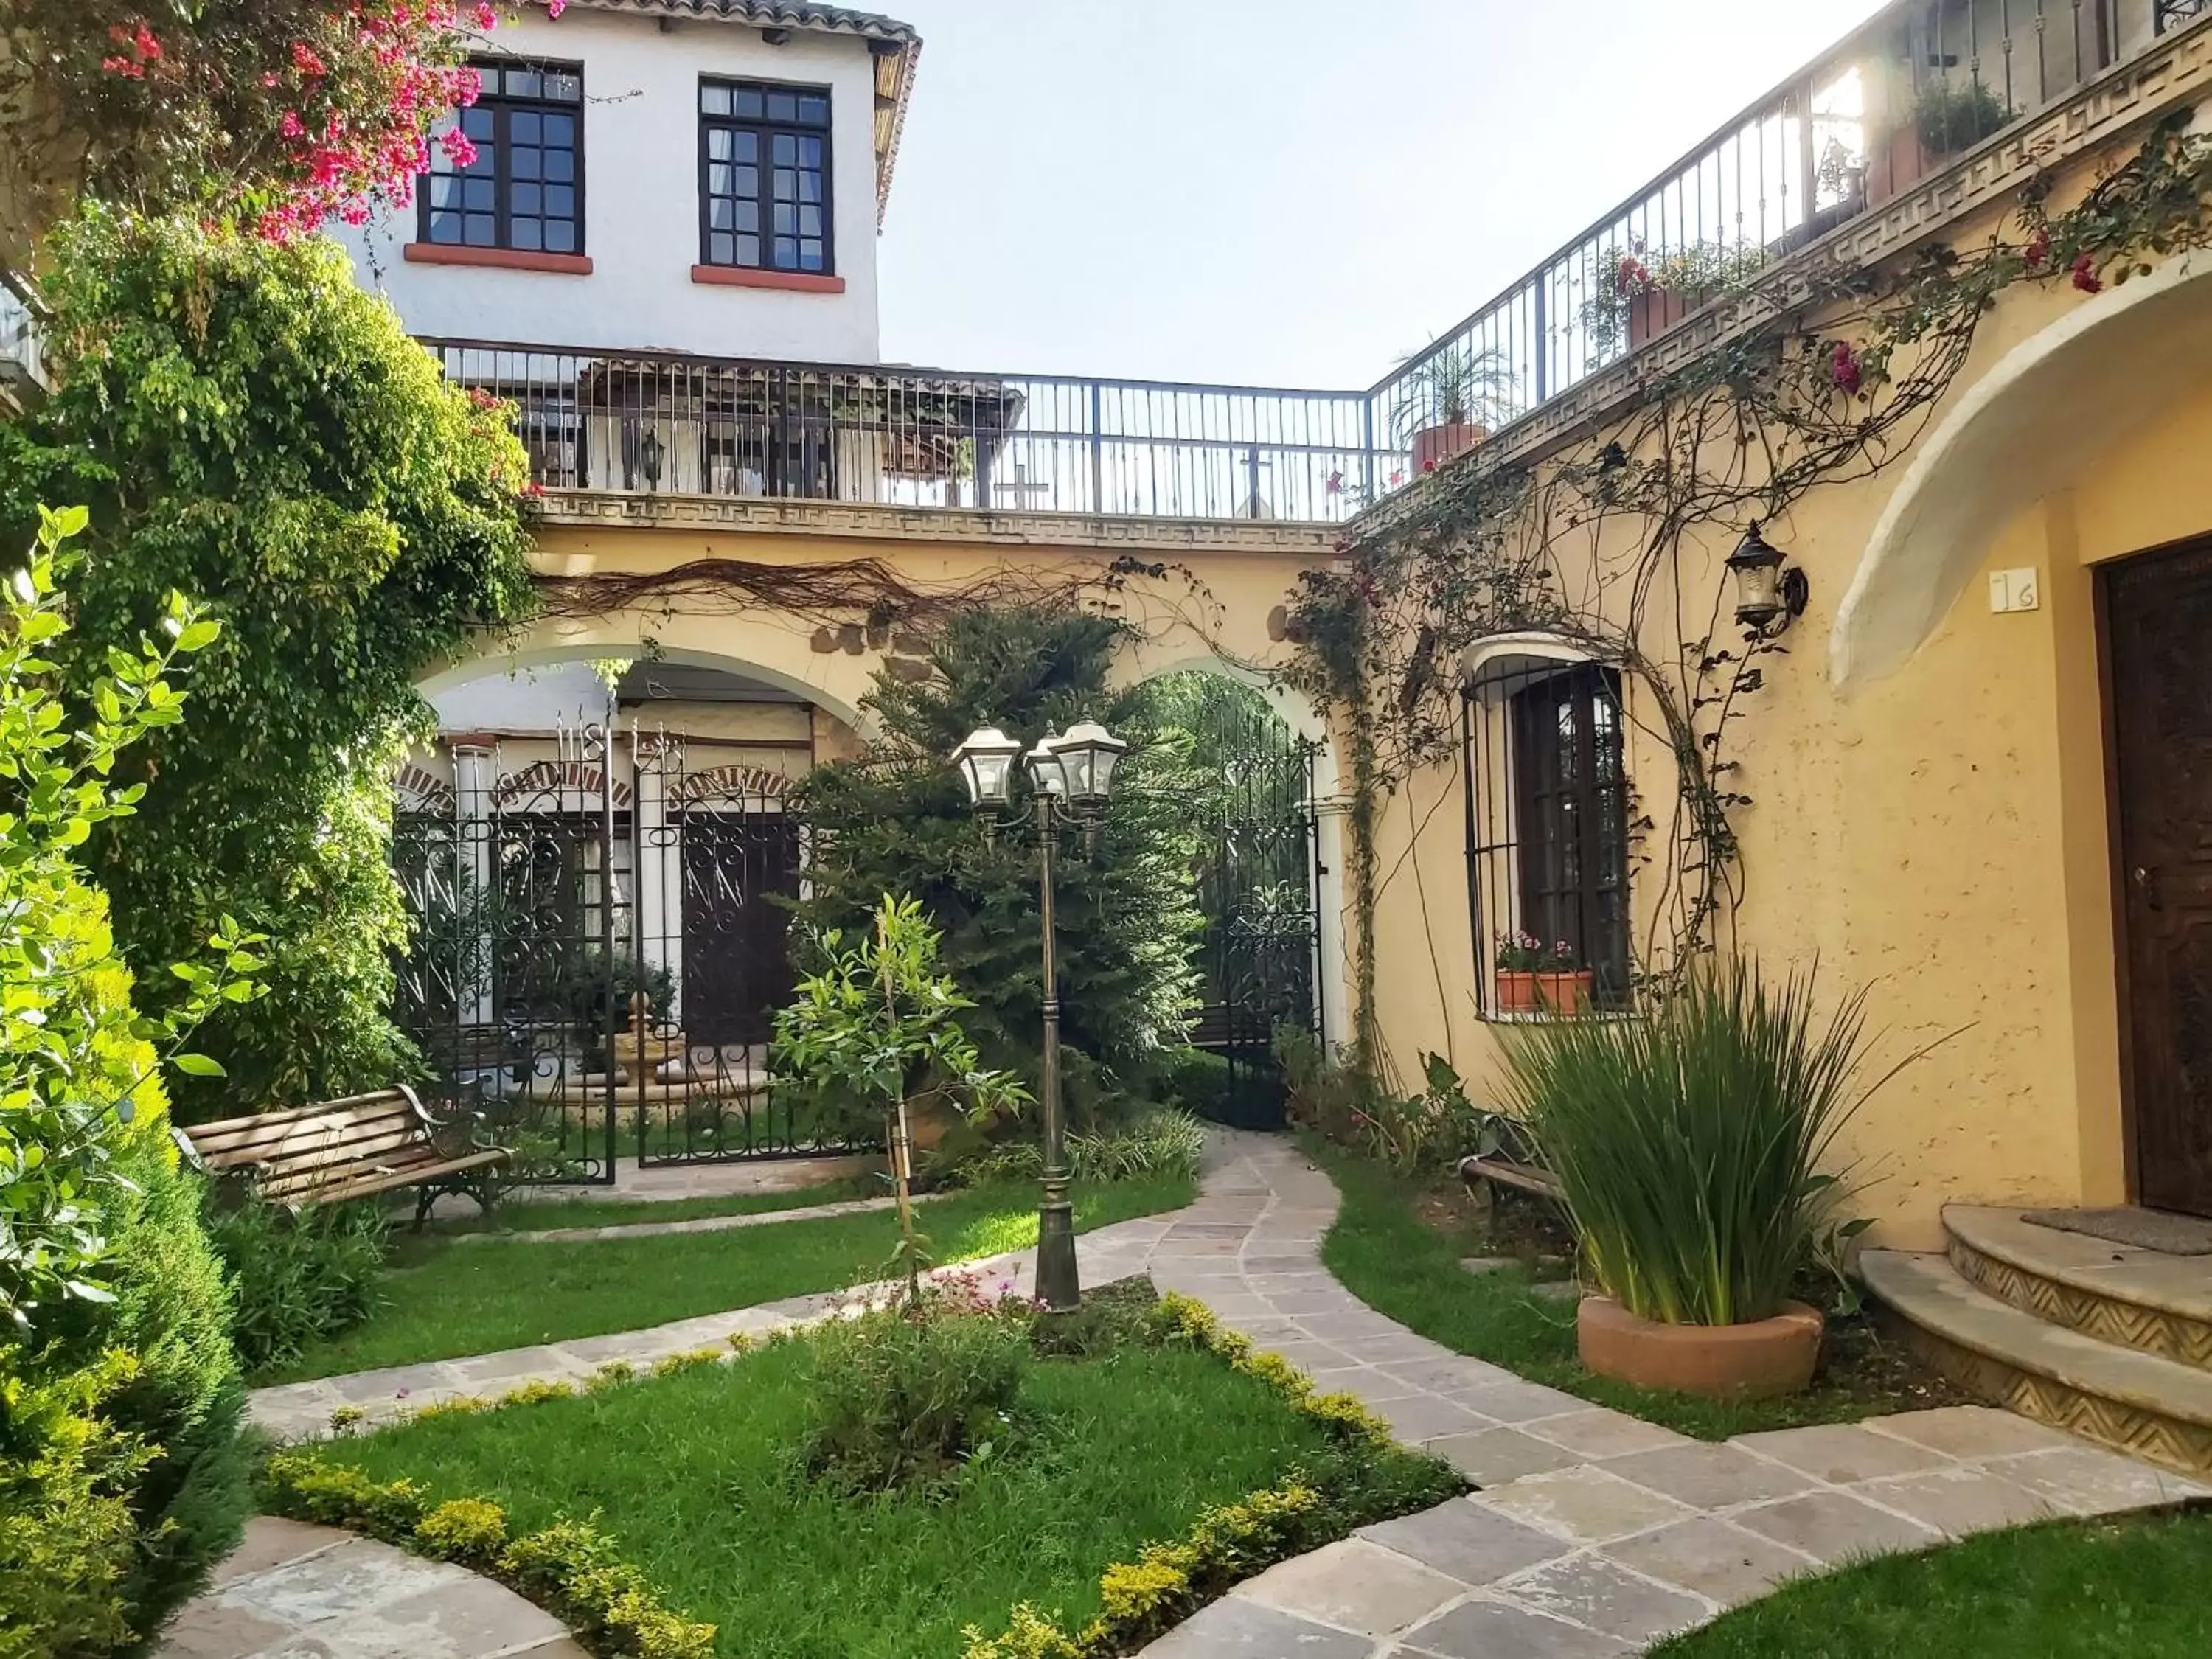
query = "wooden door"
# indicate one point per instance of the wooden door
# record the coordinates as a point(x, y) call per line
point(2157, 619)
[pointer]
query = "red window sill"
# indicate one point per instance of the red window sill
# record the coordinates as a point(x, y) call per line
point(794, 281)
point(499, 258)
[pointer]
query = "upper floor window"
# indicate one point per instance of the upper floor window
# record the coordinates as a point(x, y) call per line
point(1549, 833)
point(764, 176)
point(524, 187)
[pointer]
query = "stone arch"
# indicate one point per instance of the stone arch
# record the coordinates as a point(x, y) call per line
point(2046, 414)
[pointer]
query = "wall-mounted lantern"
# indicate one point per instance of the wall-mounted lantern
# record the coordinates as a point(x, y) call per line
point(1769, 595)
point(649, 453)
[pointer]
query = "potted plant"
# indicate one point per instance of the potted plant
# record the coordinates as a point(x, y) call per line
point(1953, 116)
point(1535, 978)
point(1441, 394)
point(1692, 1148)
point(1641, 296)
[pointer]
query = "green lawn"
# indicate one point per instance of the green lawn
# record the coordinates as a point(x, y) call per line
point(2131, 1589)
point(696, 1477)
point(445, 1299)
point(542, 1215)
point(1407, 1267)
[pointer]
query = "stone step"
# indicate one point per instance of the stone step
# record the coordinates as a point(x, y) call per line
point(2142, 1403)
point(2134, 1298)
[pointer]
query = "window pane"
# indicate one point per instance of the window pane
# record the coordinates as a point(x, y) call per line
point(748, 185)
point(810, 152)
point(523, 234)
point(787, 184)
point(445, 191)
point(786, 219)
point(748, 216)
point(522, 82)
point(445, 226)
point(481, 232)
point(718, 143)
point(785, 149)
point(810, 221)
point(714, 99)
point(786, 253)
point(721, 214)
point(561, 199)
point(748, 146)
point(475, 121)
point(809, 256)
point(749, 250)
point(810, 186)
point(561, 130)
point(814, 112)
point(746, 102)
point(782, 106)
point(561, 165)
point(718, 179)
point(561, 235)
point(523, 126)
point(479, 194)
point(565, 89)
point(525, 163)
point(526, 198)
point(721, 250)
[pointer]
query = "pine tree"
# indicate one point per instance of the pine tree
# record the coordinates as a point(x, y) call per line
point(897, 820)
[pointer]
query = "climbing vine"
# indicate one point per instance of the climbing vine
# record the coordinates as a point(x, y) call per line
point(1831, 385)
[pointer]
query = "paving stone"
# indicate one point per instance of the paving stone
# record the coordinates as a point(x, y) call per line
point(1491, 1457)
point(1708, 1477)
point(1449, 1375)
point(1513, 1401)
point(1355, 1585)
point(271, 1541)
point(1466, 1541)
point(466, 1620)
point(1484, 1265)
point(1237, 1629)
point(1557, 1290)
point(1841, 1453)
point(1960, 1500)
point(1970, 1432)
point(210, 1628)
point(2084, 1480)
point(1499, 1629)
point(1583, 1503)
point(1598, 1433)
point(1833, 1526)
point(339, 1582)
point(1592, 1590)
point(1711, 1558)
point(1430, 1417)
point(1311, 1356)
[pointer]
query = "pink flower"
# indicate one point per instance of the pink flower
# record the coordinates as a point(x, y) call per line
point(2084, 275)
point(292, 127)
point(1398, 475)
point(1428, 467)
point(1843, 369)
point(128, 68)
point(145, 45)
point(555, 8)
point(2039, 248)
point(486, 17)
point(305, 61)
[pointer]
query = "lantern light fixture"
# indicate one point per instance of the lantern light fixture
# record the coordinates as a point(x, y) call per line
point(1770, 593)
point(1087, 754)
point(986, 761)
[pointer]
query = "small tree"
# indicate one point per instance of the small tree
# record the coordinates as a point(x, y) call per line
point(878, 1026)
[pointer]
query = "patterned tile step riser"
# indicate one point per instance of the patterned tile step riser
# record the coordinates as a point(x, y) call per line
point(2109, 1319)
point(2186, 1447)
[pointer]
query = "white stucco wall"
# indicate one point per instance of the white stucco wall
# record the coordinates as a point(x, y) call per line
point(641, 205)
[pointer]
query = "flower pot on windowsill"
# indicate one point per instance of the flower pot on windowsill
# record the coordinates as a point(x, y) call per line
point(1527, 992)
point(1435, 445)
point(1758, 1361)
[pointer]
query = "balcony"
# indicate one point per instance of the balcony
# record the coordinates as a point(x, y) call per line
point(22, 352)
point(1924, 88)
point(654, 423)
point(1920, 88)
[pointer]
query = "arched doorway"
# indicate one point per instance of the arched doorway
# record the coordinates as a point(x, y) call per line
point(596, 857)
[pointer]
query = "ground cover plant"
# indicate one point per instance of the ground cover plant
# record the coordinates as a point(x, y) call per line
point(2119, 1589)
point(445, 1299)
point(1155, 1428)
point(1398, 1243)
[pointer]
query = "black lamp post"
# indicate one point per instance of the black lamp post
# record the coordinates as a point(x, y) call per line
point(1071, 778)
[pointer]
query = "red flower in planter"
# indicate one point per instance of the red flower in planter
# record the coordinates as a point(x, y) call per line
point(1428, 467)
point(1843, 369)
point(1632, 276)
point(2084, 275)
point(2039, 248)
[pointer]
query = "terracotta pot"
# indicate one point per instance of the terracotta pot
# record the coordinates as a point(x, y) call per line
point(1531, 992)
point(1758, 1361)
point(1435, 445)
point(1651, 314)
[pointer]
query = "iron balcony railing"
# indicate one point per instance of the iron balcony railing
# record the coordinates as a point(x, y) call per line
point(1917, 86)
point(660, 422)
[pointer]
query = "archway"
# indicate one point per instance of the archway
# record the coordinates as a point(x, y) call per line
point(2051, 410)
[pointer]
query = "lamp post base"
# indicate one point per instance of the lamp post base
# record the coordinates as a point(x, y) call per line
point(1057, 1289)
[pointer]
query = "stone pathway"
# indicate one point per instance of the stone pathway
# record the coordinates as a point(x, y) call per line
point(1593, 1533)
point(299, 1592)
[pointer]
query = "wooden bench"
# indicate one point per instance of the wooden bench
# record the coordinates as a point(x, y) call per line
point(339, 1150)
point(1502, 1172)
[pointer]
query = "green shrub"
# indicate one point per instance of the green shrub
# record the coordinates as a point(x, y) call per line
point(295, 1279)
point(1408, 1133)
point(67, 1536)
point(1198, 1080)
point(1165, 1142)
point(1690, 1141)
point(903, 1397)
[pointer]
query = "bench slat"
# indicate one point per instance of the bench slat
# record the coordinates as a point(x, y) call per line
point(338, 1145)
point(1542, 1182)
point(397, 1100)
point(335, 1150)
point(370, 1184)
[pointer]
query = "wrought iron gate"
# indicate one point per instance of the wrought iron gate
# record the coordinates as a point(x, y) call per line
point(1258, 888)
point(599, 950)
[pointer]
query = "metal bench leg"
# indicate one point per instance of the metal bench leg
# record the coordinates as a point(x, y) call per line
point(424, 1200)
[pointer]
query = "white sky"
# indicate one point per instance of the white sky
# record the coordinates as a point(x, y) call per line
point(1282, 192)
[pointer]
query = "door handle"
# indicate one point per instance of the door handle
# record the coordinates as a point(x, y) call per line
point(2146, 880)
